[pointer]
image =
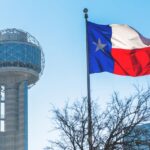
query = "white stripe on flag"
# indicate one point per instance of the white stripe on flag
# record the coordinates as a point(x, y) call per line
point(125, 37)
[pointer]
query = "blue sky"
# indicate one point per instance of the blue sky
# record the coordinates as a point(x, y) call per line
point(59, 27)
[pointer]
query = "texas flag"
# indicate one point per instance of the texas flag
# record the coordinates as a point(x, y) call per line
point(118, 49)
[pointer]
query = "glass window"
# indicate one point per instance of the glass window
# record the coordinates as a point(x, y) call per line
point(2, 108)
point(2, 126)
point(21, 55)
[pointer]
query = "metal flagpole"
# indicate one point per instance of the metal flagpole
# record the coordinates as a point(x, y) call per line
point(88, 87)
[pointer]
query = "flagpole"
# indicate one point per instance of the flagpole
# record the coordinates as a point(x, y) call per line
point(88, 87)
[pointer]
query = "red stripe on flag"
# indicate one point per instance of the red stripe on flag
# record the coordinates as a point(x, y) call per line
point(131, 62)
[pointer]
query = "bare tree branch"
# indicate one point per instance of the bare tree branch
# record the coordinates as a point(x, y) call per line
point(111, 128)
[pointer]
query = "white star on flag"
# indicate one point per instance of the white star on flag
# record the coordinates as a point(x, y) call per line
point(99, 45)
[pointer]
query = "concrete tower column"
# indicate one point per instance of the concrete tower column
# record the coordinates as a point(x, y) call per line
point(15, 136)
point(23, 116)
point(11, 109)
point(11, 115)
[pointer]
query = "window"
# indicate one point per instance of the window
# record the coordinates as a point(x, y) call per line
point(2, 128)
point(2, 108)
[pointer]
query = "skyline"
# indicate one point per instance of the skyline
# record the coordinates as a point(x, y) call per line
point(59, 26)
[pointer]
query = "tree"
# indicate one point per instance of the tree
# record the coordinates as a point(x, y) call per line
point(110, 127)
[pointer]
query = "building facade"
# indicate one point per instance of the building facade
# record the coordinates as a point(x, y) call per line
point(139, 139)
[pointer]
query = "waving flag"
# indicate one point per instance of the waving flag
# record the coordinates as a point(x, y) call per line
point(118, 49)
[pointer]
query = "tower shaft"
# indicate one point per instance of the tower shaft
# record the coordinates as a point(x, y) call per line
point(13, 135)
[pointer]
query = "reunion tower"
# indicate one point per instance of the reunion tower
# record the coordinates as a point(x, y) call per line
point(21, 64)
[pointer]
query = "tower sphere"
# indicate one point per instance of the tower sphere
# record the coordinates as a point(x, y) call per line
point(21, 56)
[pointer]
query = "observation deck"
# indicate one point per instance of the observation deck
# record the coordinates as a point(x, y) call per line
point(20, 54)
